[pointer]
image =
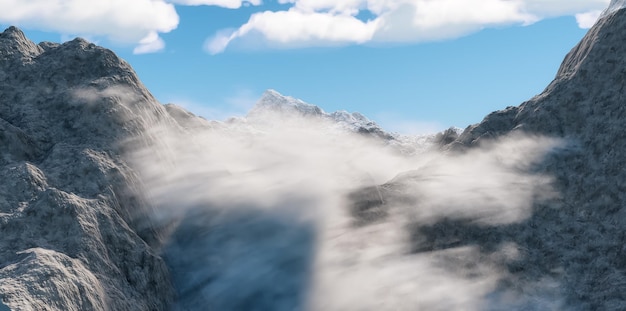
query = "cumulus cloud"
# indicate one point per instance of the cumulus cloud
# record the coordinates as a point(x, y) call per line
point(332, 22)
point(588, 19)
point(150, 44)
point(294, 28)
point(117, 20)
point(129, 22)
point(303, 23)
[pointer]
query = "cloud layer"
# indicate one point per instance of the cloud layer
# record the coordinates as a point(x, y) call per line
point(258, 202)
point(333, 22)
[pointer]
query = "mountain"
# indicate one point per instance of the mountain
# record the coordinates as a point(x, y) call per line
point(575, 241)
point(274, 107)
point(112, 201)
point(275, 104)
point(72, 213)
point(80, 230)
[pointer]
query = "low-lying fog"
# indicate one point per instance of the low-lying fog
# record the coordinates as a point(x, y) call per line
point(266, 216)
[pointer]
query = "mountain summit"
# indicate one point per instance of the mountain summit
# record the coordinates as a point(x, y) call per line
point(273, 102)
point(273, 105)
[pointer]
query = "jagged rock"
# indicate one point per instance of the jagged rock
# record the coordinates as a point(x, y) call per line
point(73, 235)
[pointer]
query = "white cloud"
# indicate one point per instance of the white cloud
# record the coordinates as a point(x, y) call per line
point(129, 22)
point(118, 20)
point(150, 44)
point(332, 22)
point(231, 4)
point(296, 28)
point(586, 20)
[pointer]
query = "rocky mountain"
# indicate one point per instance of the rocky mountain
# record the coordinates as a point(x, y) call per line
point(72, 213)
point(285, 107)
point(280, 109)
point(112, 201)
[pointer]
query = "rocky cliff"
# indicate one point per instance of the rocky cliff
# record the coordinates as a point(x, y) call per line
point(72, 220)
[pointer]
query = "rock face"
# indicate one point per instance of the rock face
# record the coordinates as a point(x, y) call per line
point(579, 238)
point(71, 209)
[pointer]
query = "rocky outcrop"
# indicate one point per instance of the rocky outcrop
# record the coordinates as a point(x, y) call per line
point(74, 235)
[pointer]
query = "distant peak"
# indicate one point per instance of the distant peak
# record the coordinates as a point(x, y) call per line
point(274, 102)
point(272, 97)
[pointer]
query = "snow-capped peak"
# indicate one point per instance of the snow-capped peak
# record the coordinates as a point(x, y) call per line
point(274, 102)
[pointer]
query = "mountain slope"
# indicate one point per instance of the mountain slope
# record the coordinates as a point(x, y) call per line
point(71, 209)
point(578, 239)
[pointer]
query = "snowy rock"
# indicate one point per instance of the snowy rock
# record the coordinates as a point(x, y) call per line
point(275, 106)
point(273, 102)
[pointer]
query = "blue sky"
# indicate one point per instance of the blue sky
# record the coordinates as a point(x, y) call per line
point(450, 68)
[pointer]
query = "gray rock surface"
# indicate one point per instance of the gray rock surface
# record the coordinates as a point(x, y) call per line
point(74, 235)
point(577, 239)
